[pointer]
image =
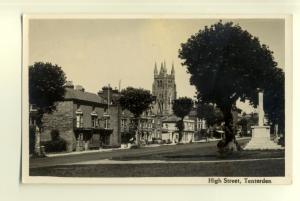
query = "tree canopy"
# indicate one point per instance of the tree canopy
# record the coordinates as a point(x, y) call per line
point(227, 63)
point(274, 100)
point(46, 85)
point(136, 100)
point(181, 108)
point(211, 114)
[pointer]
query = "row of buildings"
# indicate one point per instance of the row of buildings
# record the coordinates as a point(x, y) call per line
point(93, 120)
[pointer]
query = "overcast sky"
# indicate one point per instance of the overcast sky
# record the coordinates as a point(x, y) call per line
point(95, 52)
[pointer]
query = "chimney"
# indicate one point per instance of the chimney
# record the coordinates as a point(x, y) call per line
point(79, 88)
point(69, 84)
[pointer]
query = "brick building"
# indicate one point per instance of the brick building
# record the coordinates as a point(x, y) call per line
point(85, 120)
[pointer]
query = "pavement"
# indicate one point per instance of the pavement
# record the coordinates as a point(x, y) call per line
point(121, 148)
point(107, 161)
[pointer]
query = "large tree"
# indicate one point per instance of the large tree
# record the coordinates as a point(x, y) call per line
point(227, 63)
point(46, 87)
point(274, 101)
point(181, 108)
point(136, 101)
point(210, 113)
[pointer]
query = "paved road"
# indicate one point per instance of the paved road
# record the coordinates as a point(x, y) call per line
point(197, 151)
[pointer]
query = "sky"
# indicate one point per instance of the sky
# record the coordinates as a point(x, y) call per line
point(97, 52)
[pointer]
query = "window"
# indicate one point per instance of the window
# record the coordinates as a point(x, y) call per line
point(123, 123)
point(94, 122)
point(106, 123)
point(79, 120)
point(94, 117)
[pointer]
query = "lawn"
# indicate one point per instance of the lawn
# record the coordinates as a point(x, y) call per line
point(270, 164)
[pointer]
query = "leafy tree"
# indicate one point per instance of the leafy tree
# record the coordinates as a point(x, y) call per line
point(211, 114)
point(181, 108)
point(274, 101)
point(46, 87)
point(227, 63)
point(136, 101)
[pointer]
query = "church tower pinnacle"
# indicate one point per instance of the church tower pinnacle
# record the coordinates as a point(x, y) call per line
point(161, 71)
point(173, 70)
point(155, 70)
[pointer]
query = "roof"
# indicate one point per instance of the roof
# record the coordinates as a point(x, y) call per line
point(193, 112)
point(171, 118)
point(174, 119)
point(83, 96)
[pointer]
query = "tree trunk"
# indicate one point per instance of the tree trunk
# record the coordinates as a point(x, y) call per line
point(229, 144)
point(180, 130)
point(38, 129)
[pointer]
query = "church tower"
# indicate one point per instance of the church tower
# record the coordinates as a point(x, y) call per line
point(164, 89)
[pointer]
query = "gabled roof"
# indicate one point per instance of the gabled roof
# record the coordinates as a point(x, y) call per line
point(72, 94)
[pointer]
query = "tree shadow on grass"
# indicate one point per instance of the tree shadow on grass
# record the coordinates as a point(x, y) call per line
point(255, 154)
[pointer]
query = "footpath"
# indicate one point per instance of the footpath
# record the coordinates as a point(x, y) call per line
point(124, 148)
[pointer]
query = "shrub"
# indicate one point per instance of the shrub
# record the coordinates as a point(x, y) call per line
point(54, 134)
point(57, 145)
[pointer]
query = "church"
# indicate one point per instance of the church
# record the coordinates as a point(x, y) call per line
point(164, 89)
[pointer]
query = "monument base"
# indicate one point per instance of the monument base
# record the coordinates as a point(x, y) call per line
point(261, 139)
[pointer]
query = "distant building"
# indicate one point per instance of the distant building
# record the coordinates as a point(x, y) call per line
point(85, 120)
point(164, 89)
point(170, 131)
point(200, 125)
point(147, 126)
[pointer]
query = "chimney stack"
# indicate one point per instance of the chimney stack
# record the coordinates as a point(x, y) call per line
point(79, 88)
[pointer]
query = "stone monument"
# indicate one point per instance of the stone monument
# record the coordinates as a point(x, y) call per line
point(261, 133)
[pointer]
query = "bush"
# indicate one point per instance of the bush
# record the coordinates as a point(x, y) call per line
point(57, 145)
point(54, 134)
point(126, 136)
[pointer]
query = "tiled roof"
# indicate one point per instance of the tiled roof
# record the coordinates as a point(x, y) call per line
point(83, 96)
